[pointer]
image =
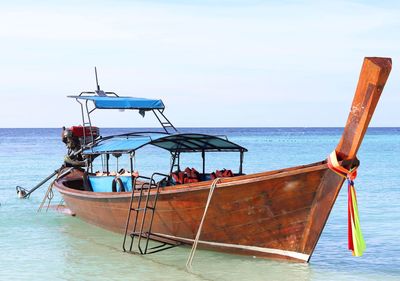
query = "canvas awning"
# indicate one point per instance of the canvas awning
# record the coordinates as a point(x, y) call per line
point(172, 143)
point(196, 143)
point(111, 102)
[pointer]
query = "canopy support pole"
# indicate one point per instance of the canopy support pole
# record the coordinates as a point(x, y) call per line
point(241, 162)
point(131, 156)
point(175, 158)
point(107, 163)
point(203, 155)
point(90, 164)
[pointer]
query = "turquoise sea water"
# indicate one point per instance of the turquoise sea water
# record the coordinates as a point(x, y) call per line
point(52, 246)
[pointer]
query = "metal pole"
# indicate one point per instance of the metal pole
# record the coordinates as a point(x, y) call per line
point(131, 155)
point(39, 184)
point(97, 81)
point(173, 155)
point(107, 163)
point(90, 164)
point(82, 112)
point(241, 162)
point(203, 155)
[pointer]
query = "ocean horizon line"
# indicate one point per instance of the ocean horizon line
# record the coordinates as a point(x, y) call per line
point(216, 127)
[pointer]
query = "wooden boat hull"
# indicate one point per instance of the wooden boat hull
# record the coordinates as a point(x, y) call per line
point(278, 214)
point(265, 214)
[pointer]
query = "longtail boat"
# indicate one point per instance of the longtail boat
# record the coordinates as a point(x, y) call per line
point(275, 214)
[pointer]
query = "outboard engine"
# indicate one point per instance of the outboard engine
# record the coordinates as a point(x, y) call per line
point(75, 138)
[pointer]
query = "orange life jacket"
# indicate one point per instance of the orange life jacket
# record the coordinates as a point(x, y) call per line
point(189, 175)
point(224, 173)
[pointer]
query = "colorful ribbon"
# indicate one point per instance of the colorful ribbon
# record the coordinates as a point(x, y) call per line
point(355, 237)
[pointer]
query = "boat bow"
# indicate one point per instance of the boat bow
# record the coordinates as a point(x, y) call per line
point(374, 74)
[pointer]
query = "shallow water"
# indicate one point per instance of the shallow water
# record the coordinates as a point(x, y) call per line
point(52, 246)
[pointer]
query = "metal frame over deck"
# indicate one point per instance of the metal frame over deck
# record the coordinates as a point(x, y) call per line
point(110, 100)
point(175, 144)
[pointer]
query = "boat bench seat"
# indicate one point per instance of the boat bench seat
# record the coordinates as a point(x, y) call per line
point(104, 183)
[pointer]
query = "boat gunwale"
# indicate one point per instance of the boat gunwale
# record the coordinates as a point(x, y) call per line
point(198, 186)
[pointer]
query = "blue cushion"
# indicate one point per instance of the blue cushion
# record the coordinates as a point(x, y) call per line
point(104, 183)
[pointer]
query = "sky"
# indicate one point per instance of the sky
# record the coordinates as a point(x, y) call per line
point(226, 63)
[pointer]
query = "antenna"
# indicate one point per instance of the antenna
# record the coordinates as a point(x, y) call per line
point(97, 81)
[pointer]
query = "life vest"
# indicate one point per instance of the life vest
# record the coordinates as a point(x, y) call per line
point(224, 173)
point(189, 175)
point(178, 177)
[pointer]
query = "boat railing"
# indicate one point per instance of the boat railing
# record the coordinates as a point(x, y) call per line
point(146, 181)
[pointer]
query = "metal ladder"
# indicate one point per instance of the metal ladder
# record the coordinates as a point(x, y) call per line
point(86, 122)
point(165, 123)
point(88, 138)
point(145, 205)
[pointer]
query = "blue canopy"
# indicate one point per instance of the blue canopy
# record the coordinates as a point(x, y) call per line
point(173, 143)
point(107, 102)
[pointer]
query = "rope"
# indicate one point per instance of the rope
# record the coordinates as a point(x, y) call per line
point(61, 204)
point(49, 195)
point(196, 240)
